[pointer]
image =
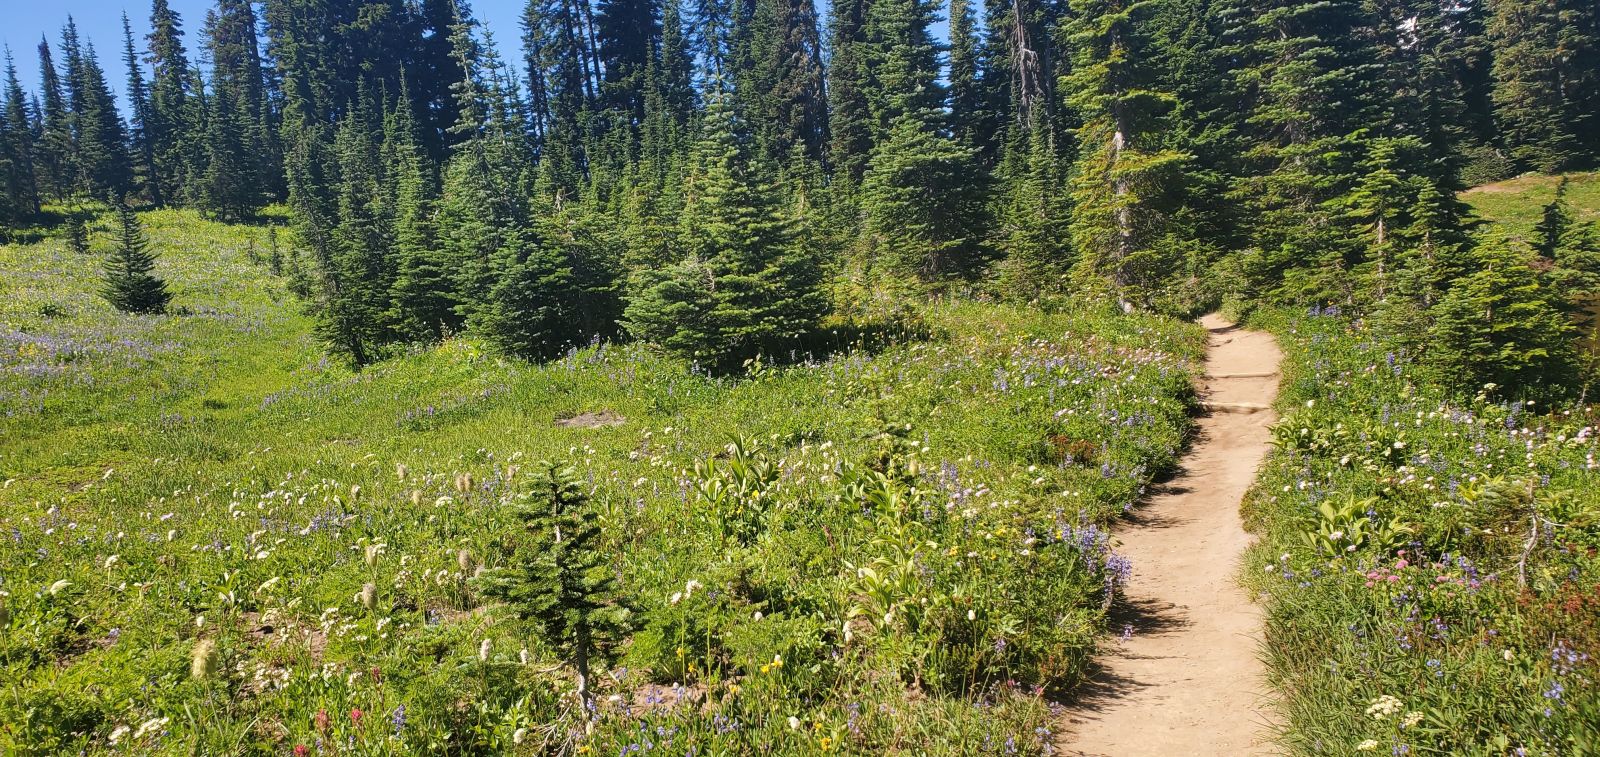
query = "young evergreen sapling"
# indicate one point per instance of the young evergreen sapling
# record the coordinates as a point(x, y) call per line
point(131, 284)
point(555, 575)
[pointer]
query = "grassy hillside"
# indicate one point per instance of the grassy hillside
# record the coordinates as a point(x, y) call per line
point(1517, 204)
point(917, 556)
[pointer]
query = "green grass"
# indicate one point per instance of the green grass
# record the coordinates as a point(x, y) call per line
point(1518, 204)
point(1412, 606)
point(210, 476)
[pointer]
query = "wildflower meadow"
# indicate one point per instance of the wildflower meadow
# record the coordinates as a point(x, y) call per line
point(1429, 561)
point(214, 540)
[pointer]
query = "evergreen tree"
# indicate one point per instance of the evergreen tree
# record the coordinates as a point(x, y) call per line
point(1310, 73)
point(558, 577)
point(1417, 65)
point(535, 306)
point(1377, 207)
point(167, 127)
point(361, 264)
point(481, 210)
point(138, 95)
point(555, 47)
point(1433, 246)
point(913, 223)
point(1538, 119)
point(101, 140)
point(1125, 179)
point(1021, 65)
point(629, 33)
point(130, 281)
point(850, 125)
point(432, 73)
point(969, 121)
point(1207, 122)
point(57, 167)
point(1498, 324)
point(1576, 271)
point(228, 188)
point(17, 150)
point(1554, 221)
point(780, 82)
point(743, 286)
point(1579, 52)
point(77, 233)
point(237, 75)
point(422, 298)
point(1033, 214)
point(649, 208)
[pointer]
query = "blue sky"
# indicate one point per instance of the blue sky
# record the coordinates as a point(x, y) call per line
point(100, 21)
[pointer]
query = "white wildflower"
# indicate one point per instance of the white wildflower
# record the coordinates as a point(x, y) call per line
point(150, 726)
point(1383, 707)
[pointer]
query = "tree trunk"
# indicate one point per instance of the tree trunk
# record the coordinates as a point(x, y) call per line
point(580, 664)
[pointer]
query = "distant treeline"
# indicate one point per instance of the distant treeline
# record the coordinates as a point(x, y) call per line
point(716, 176)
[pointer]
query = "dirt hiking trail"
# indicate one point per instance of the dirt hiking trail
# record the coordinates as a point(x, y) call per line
point(1187, 681)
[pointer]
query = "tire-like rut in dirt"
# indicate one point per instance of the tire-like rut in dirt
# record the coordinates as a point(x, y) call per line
point(1187, 681)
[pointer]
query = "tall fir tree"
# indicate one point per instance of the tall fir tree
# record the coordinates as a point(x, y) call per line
point(743, 286)
point(1308, 73)
point(422, 297)
point(57, 164)
point(140, 149)
point(914, 225)
point(1376, 207)
point(481, 210)
point(18, 150)
point(431, 74)
point(1539, 115)
point(1579, 50)
point(850, 119)
point(237, 73)
point(228, 188)
point(1032, 216)
point(173, 139)
point(969, 115)
point(555, 50)
point(101, 139)
point(1125, 182)
point(355, 323)
point(780, 79)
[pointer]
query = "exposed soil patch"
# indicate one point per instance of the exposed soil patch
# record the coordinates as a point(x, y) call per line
point(599, 419)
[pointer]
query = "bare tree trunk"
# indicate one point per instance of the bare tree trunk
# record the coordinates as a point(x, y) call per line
point(1383, 236)
point(580, 663)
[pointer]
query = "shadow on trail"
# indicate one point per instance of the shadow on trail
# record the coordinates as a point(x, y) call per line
point(1143, 617)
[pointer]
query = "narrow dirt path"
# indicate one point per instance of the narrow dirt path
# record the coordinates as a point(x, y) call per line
point(1187, 681)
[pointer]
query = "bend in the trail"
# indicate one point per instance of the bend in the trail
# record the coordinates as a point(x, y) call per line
point(1187, 680)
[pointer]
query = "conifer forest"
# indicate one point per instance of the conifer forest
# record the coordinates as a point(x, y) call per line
point(727, 377)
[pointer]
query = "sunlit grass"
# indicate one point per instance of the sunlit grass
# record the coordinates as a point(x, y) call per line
point(1518, 204)
point(209, 475)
